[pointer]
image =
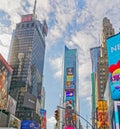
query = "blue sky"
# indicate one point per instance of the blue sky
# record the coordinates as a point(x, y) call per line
point(75, 23)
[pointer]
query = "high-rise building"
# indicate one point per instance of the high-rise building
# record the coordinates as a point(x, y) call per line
point(27, 60)
point(102, 73)
point(71, 90)
point(95, 55)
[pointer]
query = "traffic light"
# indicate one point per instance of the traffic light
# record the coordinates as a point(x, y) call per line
point(74, 117)
point(56, 115)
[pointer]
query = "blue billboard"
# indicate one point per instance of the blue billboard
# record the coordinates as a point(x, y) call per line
point(70, 69)
point(113, 48)
point(29, 124)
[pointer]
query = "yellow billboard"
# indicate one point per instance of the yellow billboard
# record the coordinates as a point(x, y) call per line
point(102, 114)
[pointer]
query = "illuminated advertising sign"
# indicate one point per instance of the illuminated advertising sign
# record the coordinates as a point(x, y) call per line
point(29, 101)
point(38, 107)
point(27, 18)
point(102, 114)
point(29, 124)
point(67, 127)
point(70, 69)
point(14, 122)
point(43, 118)
point(116, 113)
point(69, 93)
point(11, 105)
point(5, 73)
point(113, 48)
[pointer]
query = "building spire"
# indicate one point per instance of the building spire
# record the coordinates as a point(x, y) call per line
point(34, 9)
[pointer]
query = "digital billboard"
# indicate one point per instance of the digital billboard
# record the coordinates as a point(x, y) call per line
point(11, 105)
point(67, 127)
point(43, 118)
point(116, 117)
point(14, 122)
point(5, 74)
point(29, 101)
point(70, 68)
point(29, 124)
point(102, 114)
point(27, 18)
point(113, 49)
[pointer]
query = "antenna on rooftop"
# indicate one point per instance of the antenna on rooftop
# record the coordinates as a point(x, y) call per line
point(34, 9)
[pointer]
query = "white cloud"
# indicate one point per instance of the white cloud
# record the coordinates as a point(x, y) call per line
point(57, 66)
point(85, 26)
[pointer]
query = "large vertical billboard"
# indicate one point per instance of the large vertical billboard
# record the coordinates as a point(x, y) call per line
point(69, 86)
point(70, 69)
point(11, 105)
point(14, 122)
point(102, 114)
point(116, 116)
point(5, 74)
point(113, 48)
point(43, 118)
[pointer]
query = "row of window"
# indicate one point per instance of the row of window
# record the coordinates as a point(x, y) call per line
point(25, 25)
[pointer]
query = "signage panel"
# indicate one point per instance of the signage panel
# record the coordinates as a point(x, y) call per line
point(70, 68)
point(102, 114)
point(29, 101)
point(113, 48)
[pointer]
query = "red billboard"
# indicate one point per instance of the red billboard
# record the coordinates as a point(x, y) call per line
point(67, 127)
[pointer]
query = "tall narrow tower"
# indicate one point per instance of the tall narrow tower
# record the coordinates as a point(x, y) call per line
point(27, 60)
point(70, 90)
point(102, 73)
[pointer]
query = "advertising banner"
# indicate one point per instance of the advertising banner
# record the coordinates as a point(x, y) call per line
point(3, 89)
point(29, 101)
point(29, 124)
point(70, 68)
point(113, 48)
point(38, 107)
point(67, 127)
point(14, 122)
point(116, 117)
point(43, 118)
point(102, 114)
point(11, 105)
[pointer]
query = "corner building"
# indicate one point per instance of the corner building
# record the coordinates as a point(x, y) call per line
point(27, 60)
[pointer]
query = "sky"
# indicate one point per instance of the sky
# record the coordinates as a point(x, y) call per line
point(74, 23)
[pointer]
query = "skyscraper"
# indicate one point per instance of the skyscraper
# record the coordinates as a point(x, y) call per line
point(27, 60)
point(70, 90)
point(102, 73)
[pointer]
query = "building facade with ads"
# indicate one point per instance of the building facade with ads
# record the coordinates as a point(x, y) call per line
point(116, 115)
point(113, 49)
point(5, 76)
point(102, 115)
point(70, 96)
point(95, 54)
point(26, 57)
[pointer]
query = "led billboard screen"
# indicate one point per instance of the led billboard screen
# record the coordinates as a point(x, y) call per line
point(29, 101)
point(29, 124)
point(102, 114)
point(116, 113)
point(70, 69)
point(113, 48)
point(11, 105)
point(67, 127)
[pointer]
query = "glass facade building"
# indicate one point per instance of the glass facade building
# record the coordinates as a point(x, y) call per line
point(26, 57)
point(71, 100)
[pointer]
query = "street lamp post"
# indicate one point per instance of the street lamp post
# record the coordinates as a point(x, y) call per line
point(80, 117)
